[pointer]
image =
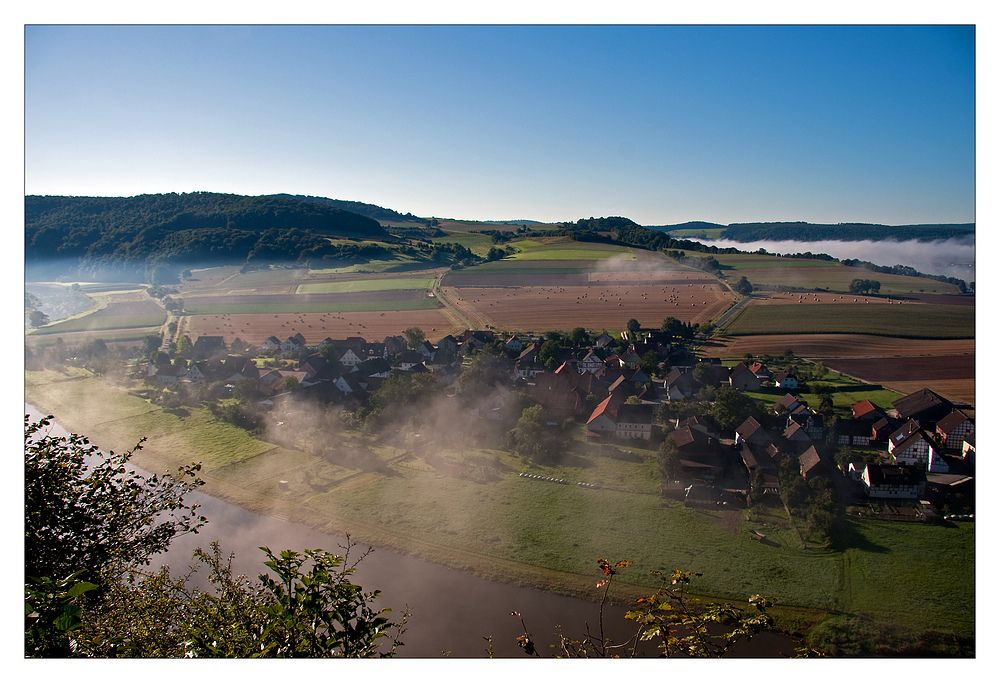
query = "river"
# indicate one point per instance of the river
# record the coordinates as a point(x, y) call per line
point(451, 610)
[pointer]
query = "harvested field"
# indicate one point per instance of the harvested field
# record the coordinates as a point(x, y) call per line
point(255, 328)
point(930, 321)
point(127, 337)
point(533, 308)
point(950, 376)
point(390, 300)
point(769, 298)
point(840, 346)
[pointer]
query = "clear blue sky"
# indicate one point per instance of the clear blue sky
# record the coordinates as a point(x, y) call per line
point(661, 124)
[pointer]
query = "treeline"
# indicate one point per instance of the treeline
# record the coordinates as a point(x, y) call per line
point(848, 232)
point(373, 211)
point(152, 236)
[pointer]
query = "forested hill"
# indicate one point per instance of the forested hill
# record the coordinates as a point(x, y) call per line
point(749, 232)
point(373, 211)
point(147, 234)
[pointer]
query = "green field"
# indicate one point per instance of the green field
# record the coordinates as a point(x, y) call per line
point(105, 319)
point(397, 265)
point(918, 321)
point(564, 249)
point(375, 285)
point(476, 242)
point(705, 233)
point(469, 508)
point(776, 271)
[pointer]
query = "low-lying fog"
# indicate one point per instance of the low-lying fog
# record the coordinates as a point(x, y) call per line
point(952, 257)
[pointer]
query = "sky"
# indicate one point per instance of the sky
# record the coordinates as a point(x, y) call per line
point(662, 124)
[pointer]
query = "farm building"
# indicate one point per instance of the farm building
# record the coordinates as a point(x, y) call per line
point(891, 481)
point(624, 421)
point(852, 432)
point(786, 380)
point(742, 378)
point(923, 406)
point(953, 428)
point(866, 410)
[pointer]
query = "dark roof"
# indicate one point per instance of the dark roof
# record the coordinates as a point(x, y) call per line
point(909, 428)
point(630, 412)
point(923, 405)
point(749, 427)
point(852, 427)
point(894, 475)
point(809, 461)
point(950, 421)
point(788, 401)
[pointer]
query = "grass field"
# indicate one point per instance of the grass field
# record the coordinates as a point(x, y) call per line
point(565, 249)
point(374, 285)
point(115, 316)
point(706, 233)
point(472, 510)
point(776, 271)
point(923, 321)
point(477, 243)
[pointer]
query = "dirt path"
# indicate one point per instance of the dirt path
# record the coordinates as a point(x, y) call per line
point(465, 318)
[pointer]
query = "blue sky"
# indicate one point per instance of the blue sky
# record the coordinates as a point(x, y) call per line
point(661, 124)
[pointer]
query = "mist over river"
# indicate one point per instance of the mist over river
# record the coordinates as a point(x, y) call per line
point(451, 610)
point(952, 257)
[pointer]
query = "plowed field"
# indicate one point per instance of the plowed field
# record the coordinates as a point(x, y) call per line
point(594, 306)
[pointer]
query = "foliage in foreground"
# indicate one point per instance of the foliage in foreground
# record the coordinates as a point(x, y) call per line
point(92, 525)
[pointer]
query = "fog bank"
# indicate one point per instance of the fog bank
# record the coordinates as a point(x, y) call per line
point(952, 257)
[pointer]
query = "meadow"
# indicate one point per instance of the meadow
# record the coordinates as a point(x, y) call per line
point(367, 285)
point(470, 508)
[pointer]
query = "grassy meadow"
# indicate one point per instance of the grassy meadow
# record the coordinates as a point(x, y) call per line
point(470, 508)
point(372, 285)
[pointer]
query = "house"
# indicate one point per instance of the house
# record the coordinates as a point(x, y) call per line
point(893, 481)
point(513, 344)
point(761, 372)
point(810, 464)
point(293, 343)
point(969, 448)
point(426, 349)
point(786, 380)
point(923, 406)
point(269, 381)
point(207, 346)
point(603, 340)
point(796, 433)
point(591, 363)
point(882, 429)
point(396, 344)
point(744, 379)
point(866, 410)
point(812, 423)
point(408, 359)
point(448, 344)
point(527, 364)
point(700, 454)
point(558, 394)
point(630, 359)
point(759, 461)
point(678, 385)
point(786, 404)
point(953, 428)
point(271, 344)
point(372, 368)
point(349, 358)
point(852, 432)
point(165, 373)
point(752, 433)
point(613, 416)
point(911, 445)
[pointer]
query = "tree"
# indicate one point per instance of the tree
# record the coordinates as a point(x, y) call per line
point(649, 362)
point(862, 286)
point(150, 343)
point(579, 336)
point(732, 407)
point(633, 325)
point(743, 286)
point(88, 512)
point(37, 318)
point(669, 459)
point(531, 438)
point(414, 337)
point(548, 354)
point(703, 374)
point(184, 345)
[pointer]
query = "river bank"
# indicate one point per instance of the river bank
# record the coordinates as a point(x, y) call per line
point(451, 611)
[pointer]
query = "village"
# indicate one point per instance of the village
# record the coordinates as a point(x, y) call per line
point(912, 460)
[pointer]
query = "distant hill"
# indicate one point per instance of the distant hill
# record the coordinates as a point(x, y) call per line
point(156, 235)
point(690, 225)
point(372, 211)
point(847, 232)
point(514, 221)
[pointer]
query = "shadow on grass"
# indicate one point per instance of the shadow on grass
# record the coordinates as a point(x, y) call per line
point(849, 535)
point(179, 412)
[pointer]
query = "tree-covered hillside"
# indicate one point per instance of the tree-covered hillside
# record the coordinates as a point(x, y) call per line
point(373, 211)
point(152, 236)
point(798, 230)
